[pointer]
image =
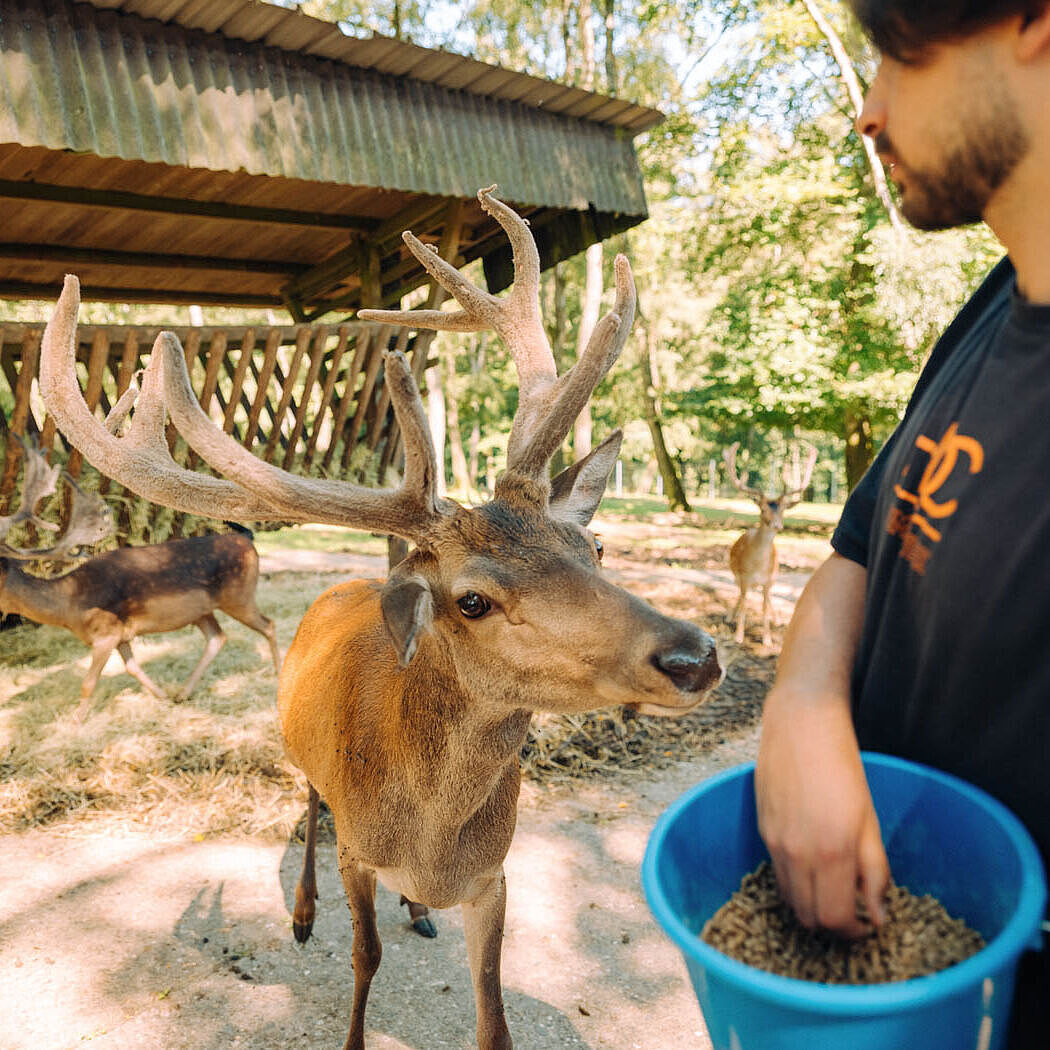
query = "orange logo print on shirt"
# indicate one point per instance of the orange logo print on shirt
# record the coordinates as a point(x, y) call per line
point(925, 507)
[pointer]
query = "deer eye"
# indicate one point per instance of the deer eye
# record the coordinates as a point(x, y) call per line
point(473, 606)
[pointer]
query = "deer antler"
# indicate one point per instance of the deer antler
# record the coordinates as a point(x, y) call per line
point(90, 518)
point(730, 458)
point(39, 480)
point(547, 404)
point(140, 460)
point(796, 481)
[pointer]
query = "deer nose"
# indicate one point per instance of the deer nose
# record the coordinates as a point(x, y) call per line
point(692, 667)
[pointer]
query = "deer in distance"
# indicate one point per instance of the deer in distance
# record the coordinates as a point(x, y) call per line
point(753, 556)
point(406, 702)
point(114, 597)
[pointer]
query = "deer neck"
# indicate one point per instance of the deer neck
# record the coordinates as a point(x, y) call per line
point(764, 535)
point(36, 598)
point(467, 741)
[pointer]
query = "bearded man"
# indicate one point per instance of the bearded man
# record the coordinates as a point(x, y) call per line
point(924, 633)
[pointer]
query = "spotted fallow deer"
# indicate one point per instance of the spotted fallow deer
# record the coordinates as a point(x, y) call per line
point(114, 597)
point(406, 703)
point(753, 557)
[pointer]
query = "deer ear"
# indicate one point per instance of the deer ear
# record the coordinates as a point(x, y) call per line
point(577, 490)
point(408, 610)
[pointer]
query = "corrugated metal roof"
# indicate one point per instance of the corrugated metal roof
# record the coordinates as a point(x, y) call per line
point(291, 30)
point(94, 79)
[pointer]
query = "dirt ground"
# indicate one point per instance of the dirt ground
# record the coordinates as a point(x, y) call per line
point(125, 936)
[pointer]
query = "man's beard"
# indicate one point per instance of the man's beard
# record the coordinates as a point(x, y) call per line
point(958, 193)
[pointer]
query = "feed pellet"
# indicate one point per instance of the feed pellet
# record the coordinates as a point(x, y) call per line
point(756, 926)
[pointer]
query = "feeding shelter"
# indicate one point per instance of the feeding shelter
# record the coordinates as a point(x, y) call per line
point(242, 154)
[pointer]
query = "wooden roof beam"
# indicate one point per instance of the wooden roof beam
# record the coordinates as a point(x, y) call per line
point(150, 260)
point(100, 293)
point(18, 190)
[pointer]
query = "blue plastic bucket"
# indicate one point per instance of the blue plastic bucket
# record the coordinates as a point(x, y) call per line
point(943, 837)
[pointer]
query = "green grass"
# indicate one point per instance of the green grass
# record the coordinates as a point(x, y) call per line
point(320, 538)
point(722, 513)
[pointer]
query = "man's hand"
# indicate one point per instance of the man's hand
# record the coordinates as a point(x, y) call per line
point(814, 808)
point(816, 816)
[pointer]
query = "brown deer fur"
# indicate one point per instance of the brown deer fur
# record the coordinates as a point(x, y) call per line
point(114, 597)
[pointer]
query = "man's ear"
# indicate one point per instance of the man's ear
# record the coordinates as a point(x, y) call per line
point(577, 490)
point(1033, 34)
point(408, 610)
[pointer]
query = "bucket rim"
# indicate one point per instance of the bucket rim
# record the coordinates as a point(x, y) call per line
point(867, 999)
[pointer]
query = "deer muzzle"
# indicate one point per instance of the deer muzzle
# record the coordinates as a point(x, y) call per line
point(691, 664)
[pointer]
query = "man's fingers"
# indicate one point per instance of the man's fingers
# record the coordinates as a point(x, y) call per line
point(873, 879)
point(796, 887)
point(836, 894)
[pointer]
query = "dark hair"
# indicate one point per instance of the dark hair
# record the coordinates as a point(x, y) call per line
point(903, 29)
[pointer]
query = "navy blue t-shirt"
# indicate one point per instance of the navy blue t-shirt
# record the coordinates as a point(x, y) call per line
point(952, 522)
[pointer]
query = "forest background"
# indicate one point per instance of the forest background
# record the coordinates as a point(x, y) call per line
point(780, 295)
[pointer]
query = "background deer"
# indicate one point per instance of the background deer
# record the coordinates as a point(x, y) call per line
point(114, 597)
point(753, 557)
point(406, 703)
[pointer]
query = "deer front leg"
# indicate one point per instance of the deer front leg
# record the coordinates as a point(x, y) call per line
point(767, 613)
point(483, 928)
point(740, 613)
point(306, 890)
point(214, 641)
point(360, 885)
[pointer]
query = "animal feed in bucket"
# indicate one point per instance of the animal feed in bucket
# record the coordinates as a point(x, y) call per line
point(756, 926)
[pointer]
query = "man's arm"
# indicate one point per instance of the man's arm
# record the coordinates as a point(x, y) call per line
point(814, 807)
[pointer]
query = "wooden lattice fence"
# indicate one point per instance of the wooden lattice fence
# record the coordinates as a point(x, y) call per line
point(308, 398)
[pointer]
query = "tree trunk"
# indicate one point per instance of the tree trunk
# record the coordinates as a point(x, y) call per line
point(674, 490)
point(592, 304)
point(860, 448)
point(592, 293)
point(856, 95)
point(477, 366)
point(566, 38)
point(436, 417)
point(460, 475)
point(557, 332)
point(612, 79)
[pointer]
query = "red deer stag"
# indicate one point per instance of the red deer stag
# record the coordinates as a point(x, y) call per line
point(753, 557)
point(406, 703)
point(114, 597)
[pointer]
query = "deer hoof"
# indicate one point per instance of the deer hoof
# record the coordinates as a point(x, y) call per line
point(424, 926)
point(302, 928)
point(421, 921)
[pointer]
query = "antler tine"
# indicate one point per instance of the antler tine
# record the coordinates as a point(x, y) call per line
point(730, 458)
point(515, 318)
point(90, 522)
point(537, 433)
point(141, 461)
point(795, 485)
point(38, 480)
point(90, 518)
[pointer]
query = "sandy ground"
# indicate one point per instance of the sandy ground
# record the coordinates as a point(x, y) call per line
point(133, 943)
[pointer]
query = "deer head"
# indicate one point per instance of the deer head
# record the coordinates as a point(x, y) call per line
point(796, 479)
point(509, 592)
